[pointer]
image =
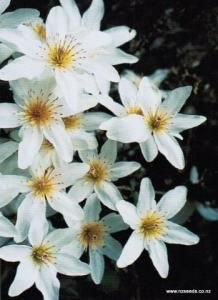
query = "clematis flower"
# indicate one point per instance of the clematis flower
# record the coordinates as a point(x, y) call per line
point(93, 234)
point(146, 119)
point(151, 227)
point(41, 260)
point(102, 171)
point(11, 20)
point(39, 113)
point(71, 56)
point(7, 229)
point(42, 186)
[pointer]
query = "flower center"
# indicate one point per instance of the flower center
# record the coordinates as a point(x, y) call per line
point(63, 53)
point(43, 254)
point(152, 225)
point(134, 110)
point(92, 234)
point(98, 171)
point(158, 120)
point(43, 185)
point(73, 122)
point(39, 28)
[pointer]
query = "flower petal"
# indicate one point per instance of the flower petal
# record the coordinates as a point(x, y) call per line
point(15, 253)
point(96, 262)
point(92, 208)
point(128, 213)
point(112, 248)
point(7, 149)
point(71, 9)
point(113, 106)
point(38, 229)
point(92, 120)
point(92, 17)
point(81, 190)
point(59, 238)
point(56, 23)
point(128, 92)
point(149, 95)
point(182, 122)
point(121, 35)
point(149, 149)
point(4, 5)
point(123, 169)
point(109, 151)
point(114, 223)
point(7, 229)
point(131, 251)
point(108, 194)
point(171, 202)
point(146, 199)
point(9, 115)
point(5, 52)
point(71, 266)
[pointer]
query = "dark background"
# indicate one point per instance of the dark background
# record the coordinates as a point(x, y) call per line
point(181, 36)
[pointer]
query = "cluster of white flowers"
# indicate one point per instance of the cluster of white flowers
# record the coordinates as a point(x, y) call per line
point(58, 70)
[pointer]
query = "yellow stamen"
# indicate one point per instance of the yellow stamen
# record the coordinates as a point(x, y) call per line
point(73, 122)
point(157, 120)
point(92, 234)
point(39, 28)
point(134, 110)
point(152, 225)
point(99, 171)
point(43, 254)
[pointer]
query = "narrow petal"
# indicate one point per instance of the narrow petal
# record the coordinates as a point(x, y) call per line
point(112, 248)
point(128, 213)
point(109, 151)
point(29, 146)
point(75, 248)
point(92, 17)
point(71, 266)
point(149, 95)
point(176, 234)
point(176, 99)
point(56, 23)
point(13, 182)
point(126, 130)
point(171, 202)
point(72, 172)
point(146, 196)
point(158, 76)
point(59, 237)
point(95, 40)
point(113, 106)
point(131, 251)
point(81, 190)
point(114, 223)
point(92, 120)
point(22, 15)
point(121, 35)
point(15, 253)
point(38, 229)
point(123, 169)
point(149, 149)
point(158, 254)
point(24, 279)
point(9, 115)
point(114, 56)
point(96, 262)
point(182, 122)
point(71, 9)
point(128, 92)
point(108, 194)
point(170, 148)
point(47, 282)
point(7, 229)
point(22, 67)
point(92, 208)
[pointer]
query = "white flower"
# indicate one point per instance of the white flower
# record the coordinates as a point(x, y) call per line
point(94, 235)
point(39, 113)
point(102, 171)
point(42, 260)
point(7, 229)
point(70, 55)
point(147, 120)
point(151, 228)
point(12, 20)
point(45, 185)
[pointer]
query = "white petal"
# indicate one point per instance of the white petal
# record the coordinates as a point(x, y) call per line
point(7, 229)
point(123, 169)
point(182, 122)
point(176, 99)
point(158, 254)
point(171, 202)
point(114, 223)
point(128, 213)
point(56, 23)
point(128, 92)
point(92, 120)
point(146, 196)
point(158, 76)
point(82, 140)
point(58, 136)
point(170, 148)
point(8, 115)
point(121, 35)
point(87, 155)
point(38, 229)
point(108, 194)
point(24, 279)
point(14, 253)
point(59, 238)
point(13, 182)
point(113, 106)
point(149, 95)
point(109, 151)
point(75, 248)
point(47, 282)
point(72, 172)
point(22, 67)
point(96, 262)
point(7, 195)
point(149, 149)
point(5, 52)
point(66, 206)
point(209, 213)
point(22, 15)
point(126, 130)
point(92, 208)
point(176, 234)
point(71, 266)
point(92, 17)
point(114, 56)
point(4, 5)
point(112, 248)
point(7, 149)
point(131, 251)
point(29, 146)
point(71, 9)
point(81, 190)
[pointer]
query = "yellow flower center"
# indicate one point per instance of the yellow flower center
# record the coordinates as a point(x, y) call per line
point(92, 234)
point(134, 110)
point(73, 122)
point(44, 185)
point(39, 28)
point(158, 120)
point(152, 225)
point(43, 254)
point(98, 171)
